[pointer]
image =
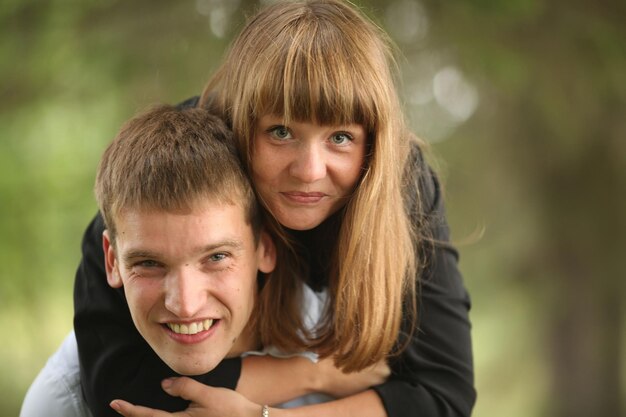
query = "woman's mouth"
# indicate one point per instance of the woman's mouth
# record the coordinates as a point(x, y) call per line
point(303, 198)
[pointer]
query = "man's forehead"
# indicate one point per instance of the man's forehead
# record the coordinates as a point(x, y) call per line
point(199, 204)
point(199, 229)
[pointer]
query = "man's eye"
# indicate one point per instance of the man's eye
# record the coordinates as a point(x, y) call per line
point(147, 264)
point(217, 257)
point(147, 268)
point(280, 132)
point(341, 139)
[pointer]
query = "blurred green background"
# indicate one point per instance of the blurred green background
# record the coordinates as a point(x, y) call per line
point(522, 100)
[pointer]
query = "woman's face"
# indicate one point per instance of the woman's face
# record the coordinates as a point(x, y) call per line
point(304, 171)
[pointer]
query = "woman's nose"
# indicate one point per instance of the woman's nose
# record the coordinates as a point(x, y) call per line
point(309, 164)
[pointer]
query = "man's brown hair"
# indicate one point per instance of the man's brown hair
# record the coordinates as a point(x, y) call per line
point(168, 159)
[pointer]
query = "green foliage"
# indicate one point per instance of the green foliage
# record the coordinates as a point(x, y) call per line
point(538, 167)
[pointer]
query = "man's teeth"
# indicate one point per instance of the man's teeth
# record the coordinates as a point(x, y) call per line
point(191, 328)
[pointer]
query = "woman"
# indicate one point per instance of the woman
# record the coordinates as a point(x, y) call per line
point(308, 90)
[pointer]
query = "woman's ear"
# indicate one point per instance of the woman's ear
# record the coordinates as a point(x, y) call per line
point(266, 252)
point(110, 262)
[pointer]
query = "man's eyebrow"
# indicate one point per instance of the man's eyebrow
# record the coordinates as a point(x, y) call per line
point(232, 244)
point(139, 254)
point(226, 243)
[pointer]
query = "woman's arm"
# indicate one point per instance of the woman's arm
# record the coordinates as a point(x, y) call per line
point(115, 361)
point(269, 380)
point(218, 402)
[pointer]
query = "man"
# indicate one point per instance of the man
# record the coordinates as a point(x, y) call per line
point(183, 240)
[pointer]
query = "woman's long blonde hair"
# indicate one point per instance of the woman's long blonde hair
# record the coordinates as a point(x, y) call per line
point(324, 61)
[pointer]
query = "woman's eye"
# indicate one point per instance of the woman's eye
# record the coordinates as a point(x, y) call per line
point(280, 132)
point(340, 138)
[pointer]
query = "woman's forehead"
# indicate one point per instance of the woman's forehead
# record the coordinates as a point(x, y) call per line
point(323, 109)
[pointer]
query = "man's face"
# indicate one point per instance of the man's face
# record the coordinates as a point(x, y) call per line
point(189, 280)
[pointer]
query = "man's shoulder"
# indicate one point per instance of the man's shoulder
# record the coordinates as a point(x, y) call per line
point(56, 391)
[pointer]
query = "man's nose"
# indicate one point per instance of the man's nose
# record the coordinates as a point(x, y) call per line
point(185, 292)
point(309, 164)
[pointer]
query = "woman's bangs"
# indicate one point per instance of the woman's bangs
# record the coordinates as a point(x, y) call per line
point(317, 85)
point(326, 99)
point(266, 98)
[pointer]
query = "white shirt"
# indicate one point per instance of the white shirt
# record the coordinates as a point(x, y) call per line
point(56, 391)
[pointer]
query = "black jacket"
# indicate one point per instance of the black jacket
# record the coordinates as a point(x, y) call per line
point(433, 377)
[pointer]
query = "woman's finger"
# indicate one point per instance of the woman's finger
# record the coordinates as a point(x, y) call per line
point(129, 410)
point(207, 401)
point(187, 389)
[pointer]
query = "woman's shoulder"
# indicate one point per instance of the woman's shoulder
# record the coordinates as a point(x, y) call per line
point(421, 182)
point(188, 103)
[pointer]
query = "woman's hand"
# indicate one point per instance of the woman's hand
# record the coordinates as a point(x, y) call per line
point(205, 402)
point(333, 381)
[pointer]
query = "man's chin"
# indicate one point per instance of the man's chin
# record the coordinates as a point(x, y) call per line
point(192, 369)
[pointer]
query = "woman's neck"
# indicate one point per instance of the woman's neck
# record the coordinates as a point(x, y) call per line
point(316, 247)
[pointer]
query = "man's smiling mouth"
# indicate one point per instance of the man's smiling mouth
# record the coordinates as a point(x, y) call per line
point(190, 328)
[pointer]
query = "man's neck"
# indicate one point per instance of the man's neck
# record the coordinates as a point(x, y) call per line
point(247, 341)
